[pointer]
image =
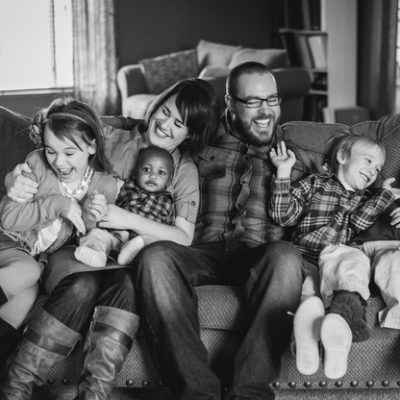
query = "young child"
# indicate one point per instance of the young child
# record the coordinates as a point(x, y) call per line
point(327, 211)
point(145, 194)
point(74, 186)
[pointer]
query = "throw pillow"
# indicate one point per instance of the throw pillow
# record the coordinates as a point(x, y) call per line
point(272, 58)
point(210, 53)
point(163, 71)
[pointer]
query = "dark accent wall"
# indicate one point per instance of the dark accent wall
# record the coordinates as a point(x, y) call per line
point(148, 28)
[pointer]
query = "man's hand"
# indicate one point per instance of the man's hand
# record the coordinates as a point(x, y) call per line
point(283, 159)
point(395, 217)
point(19, 187)
point(387, 184)
point(96, 206)
point(74, 214)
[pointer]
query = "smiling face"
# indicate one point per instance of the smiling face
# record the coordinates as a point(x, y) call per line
point(154, 172)
point(257, 126)
point(67, 158)
point(360, 170)
point(167, 127)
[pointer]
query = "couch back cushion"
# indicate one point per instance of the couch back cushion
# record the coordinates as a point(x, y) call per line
point(272, 58)
point(211, 53)
point(386, 130)
point(15, 142)
point(163, 71)
point(310, 141)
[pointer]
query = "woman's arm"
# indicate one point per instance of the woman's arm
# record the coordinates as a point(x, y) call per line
point(117, 218)
point(186, 201)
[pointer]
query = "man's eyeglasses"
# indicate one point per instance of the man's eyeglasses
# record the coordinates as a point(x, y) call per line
point(256, 102)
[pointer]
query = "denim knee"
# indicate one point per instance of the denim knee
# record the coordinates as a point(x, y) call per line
point(73, 300)
point(284, 258)
point(155, 258)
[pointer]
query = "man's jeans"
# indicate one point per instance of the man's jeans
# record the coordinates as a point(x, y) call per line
point(271, 279)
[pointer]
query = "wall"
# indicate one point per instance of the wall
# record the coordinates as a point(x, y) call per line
point(149, 28)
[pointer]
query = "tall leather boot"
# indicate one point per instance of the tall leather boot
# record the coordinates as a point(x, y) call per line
point(9, 338)
point(45, 342)
point(110, 338)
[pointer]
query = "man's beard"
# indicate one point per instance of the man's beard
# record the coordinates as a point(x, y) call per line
point(251, 138)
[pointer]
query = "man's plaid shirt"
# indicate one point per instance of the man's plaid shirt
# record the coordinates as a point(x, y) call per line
point(155, 206)
point(235, 181)
point(323, 211)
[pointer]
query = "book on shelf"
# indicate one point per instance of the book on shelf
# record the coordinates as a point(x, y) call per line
point(319, 81)
point(304, 50)
point(311, 14)
point(318, 49)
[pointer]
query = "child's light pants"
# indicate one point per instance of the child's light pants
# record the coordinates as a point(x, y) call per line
point(349, 268)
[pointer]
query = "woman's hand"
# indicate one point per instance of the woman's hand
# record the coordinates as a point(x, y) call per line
point(283, 159)
point(116, 218)
point(96, 206)
point(20, 188)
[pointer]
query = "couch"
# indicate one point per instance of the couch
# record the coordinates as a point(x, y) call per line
point(374, 365)
point(140, 83)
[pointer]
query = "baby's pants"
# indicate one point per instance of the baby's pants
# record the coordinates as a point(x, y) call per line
point(349, 268)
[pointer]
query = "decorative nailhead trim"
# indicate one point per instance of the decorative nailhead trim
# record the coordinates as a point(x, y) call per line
point(66, 381)
point(370, 383)
point(354, 383)
point(385, 383)
point(145, 384)
point(307, 384)
point(322, 384)
point(129, 382)
point(50, 381)
point(338, 383)
point(292, 385)
point(276, 385)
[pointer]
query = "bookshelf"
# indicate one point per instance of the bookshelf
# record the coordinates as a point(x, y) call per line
point(329, 52)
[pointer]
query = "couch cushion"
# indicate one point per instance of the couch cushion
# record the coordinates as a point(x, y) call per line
point(210, 53)
point(14, 131)
point(272, 58)
point(163, 71)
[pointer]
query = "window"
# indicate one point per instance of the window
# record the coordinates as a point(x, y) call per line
point(35, 44)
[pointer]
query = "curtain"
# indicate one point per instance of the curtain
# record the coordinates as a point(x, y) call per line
point(95, 60)
point(377, 56)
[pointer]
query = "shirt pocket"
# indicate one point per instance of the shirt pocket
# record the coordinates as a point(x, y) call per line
point(212, 163)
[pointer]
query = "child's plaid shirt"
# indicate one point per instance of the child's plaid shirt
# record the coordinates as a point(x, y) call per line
point(323, 211)
point(155, 206)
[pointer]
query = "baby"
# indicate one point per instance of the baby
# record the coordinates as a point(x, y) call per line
point(144, 194)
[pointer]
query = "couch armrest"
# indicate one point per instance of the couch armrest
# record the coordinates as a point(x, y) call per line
point(130, 80)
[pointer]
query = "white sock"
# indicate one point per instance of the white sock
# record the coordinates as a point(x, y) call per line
point(91, 257)
point(130, 249)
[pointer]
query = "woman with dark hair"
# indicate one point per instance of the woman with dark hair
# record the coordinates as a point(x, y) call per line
point(182, 120)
